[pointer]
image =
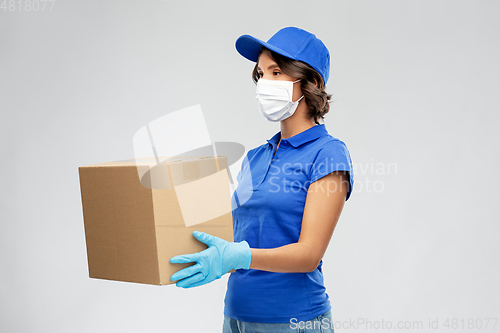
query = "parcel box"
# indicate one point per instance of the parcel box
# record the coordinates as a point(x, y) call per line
point(139, 213)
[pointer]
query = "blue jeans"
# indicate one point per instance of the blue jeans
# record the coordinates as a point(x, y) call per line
point(321, 324)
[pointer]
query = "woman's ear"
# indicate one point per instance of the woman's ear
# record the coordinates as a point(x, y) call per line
point(316, 83)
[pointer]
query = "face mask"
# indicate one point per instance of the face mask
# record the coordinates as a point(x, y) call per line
point(275, 99)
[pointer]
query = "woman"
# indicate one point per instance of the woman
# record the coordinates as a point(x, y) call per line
point(290, 194)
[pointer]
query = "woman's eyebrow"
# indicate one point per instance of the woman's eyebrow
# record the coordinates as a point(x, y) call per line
point(270, 67)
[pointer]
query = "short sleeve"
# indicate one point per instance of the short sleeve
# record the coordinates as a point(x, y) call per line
point(332, 156)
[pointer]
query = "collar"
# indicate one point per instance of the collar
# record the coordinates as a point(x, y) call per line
point(298, 139)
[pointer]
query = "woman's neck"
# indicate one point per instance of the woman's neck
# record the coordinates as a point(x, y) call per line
point(295, 126)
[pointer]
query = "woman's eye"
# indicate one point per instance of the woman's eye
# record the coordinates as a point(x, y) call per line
point(276, 73)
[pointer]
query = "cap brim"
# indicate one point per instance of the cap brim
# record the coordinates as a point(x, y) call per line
point(249, 47)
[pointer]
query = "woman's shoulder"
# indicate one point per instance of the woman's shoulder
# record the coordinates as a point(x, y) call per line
point(251, 153)
point(257, 149)
point(330, 143)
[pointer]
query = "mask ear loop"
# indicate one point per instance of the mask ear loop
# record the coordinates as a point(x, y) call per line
point(297, 101)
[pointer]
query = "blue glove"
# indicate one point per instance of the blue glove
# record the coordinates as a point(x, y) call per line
point(220, 257)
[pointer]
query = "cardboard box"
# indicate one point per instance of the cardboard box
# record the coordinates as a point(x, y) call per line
point(140, 213)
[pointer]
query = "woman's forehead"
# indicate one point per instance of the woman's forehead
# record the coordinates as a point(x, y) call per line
point(265, 60)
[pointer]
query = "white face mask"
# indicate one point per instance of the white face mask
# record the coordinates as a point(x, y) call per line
point(275, 99)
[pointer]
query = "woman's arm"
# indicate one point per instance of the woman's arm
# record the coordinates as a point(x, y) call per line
point(324, 203)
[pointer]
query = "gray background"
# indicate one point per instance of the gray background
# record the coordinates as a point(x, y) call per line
point(415, 83)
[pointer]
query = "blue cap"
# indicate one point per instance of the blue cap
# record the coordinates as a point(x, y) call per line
point(293, 43)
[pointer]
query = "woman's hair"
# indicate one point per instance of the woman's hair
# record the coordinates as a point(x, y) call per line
point(315, 96)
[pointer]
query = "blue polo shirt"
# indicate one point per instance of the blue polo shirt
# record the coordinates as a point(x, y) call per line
point(268, 205)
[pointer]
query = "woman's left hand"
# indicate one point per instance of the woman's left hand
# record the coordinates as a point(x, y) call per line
point(220, 257)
